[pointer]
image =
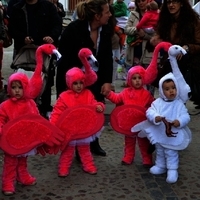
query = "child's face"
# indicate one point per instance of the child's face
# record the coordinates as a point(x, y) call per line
point(77, 86)
point(136, 81)
point(17, 89)
point(169, 90)
point(131, 9)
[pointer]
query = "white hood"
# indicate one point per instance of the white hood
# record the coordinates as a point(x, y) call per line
point(164, 78)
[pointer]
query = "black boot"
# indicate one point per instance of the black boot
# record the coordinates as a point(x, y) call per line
point(96, 149)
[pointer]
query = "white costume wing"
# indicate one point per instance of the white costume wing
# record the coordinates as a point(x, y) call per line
point(187, 139)
point(142, 126)
point(155, 134)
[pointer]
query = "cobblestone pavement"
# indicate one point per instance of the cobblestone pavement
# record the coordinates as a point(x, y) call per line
point(113, 180)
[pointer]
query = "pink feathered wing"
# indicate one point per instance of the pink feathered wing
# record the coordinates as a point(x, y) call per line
point(27, 132)
point(124, 117)
point(80, 122)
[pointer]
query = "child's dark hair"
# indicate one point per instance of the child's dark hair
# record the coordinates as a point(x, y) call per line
point(168, 80)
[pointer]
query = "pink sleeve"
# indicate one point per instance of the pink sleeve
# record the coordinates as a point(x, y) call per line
point(58, 109)
point(95, 102)
point(115, 97)
point(3, 119)
point(143, 21)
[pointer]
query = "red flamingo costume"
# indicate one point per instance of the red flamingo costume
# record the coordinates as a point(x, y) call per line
point(136, 97)
point(21, 127)
point(82, 121)
point(135, 102)
point(16, 167)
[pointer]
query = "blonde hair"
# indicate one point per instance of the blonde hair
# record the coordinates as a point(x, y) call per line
point(87, 9)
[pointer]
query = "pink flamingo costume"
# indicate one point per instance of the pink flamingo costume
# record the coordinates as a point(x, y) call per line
point(21, 127)
point(72, 100)
point(16, 167)
point(134, 103)
point(135, 97)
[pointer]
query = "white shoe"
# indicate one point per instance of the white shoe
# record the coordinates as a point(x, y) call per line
point(172, 176)
point(157, 170)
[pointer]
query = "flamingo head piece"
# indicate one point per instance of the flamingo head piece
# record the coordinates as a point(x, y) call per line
point(74, 74)
point(86, 55)
point(135, 70)
point(174, 50)
point(23, 79)
point(164, 46)
point(48, 49)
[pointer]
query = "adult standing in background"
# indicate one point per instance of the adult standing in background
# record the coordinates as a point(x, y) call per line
point(59, 7)
point(137, 53)
point(115, 44)
point(36, 22)
point(91, 30)
point(177, 27)
point(2, 37)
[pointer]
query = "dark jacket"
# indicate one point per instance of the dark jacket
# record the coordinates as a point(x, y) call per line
point(46, 19)
point(77, 36)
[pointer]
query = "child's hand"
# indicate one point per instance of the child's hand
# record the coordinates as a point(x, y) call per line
point(99, 108)
point(105, 89)
point(176, 123)
point(158, 119)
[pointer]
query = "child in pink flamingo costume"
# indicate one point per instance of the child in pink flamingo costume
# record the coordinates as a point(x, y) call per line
point(77, 95)
point(16, 139)
point(15, 167)
point(134, 94)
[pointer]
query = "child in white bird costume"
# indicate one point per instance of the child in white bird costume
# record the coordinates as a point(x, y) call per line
point(167, 128)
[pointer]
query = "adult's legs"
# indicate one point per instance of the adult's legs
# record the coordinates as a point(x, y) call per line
point(45, 104)
point(95, 146)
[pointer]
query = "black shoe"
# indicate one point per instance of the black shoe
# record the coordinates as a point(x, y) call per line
point(96, 149)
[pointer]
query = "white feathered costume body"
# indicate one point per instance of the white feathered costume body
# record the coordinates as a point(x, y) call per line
point(171, 110)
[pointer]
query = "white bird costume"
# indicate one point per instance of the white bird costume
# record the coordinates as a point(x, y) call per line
point(167, 158)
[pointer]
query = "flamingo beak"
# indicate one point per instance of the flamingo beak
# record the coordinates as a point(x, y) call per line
point(94, 60)
point(183, 51)
point(57, 53)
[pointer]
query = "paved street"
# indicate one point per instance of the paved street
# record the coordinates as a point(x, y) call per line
point(113, 180)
